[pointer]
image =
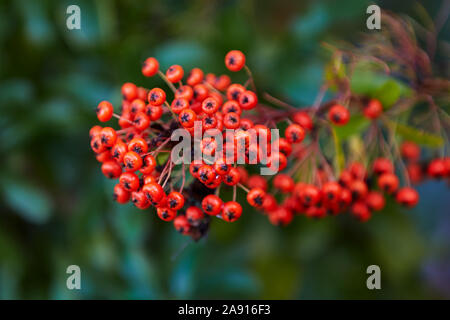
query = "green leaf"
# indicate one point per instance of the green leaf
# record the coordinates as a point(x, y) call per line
point(355, 125)
point(388, 93)
point(339, 160)
point(418, 136)
point(29, 201)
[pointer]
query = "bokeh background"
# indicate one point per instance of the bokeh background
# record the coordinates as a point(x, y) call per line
point(56, 207)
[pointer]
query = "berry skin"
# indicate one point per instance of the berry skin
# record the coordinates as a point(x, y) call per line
point(140, 200)
point(175, 73)
point(201, 92)
point(388, 182)
point(132, 161)
point(407, 197)
point(220, 167)
point(269, 203)
point(248, 100)
point(210, 105)
point(415, 172)
point(303, 119)
point(231, 211)
point(331, 191)
point(339, 115)
point(232, 177)
point(212, 205)
point(187, 118)
point(358, 171)
point(281, 216)
point(206, 173)
point(294, 133)
point(141, 121)
point(437, 168)
point(255, 197)
point(358, 189)
point(231, 106)
point(231, 120)
point(373, 109)
point(149, 164)
point(104, 156)
point(156, 96)
point(235, 60)
point(182, 225)
point(108, 137)
point(104, 111)
point(284, 146)
point(120, 194)
point(166, 214)
point(284, 183)
point(137, 105)
point(277, 157)
point(179, 105)
point(154, 112)
point(257, 181)
point(96, 144)
point(194, 167)
point(150, 67)
point(310, 195)
point(94, 131)
point(154, 192)
point(410, 151)
point(185, 92)
point(118, 151)
point(382, 165)
point(111, 169)
point(375, 201)
point(138, 145)
point(361, 211)
point(129, 91)
point(195, 77)
point(130, 181)
point(175, 200)
point(194, 214)
point(234, 91)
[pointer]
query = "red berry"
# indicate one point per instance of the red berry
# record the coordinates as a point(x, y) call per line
point(284, 183)
point(231, 106)
point(132, 161)
point(382, 165)
point(234, 91)
point(361, 211)
point(212, 204)
point(232, 177)
point(179, 105)
point(269, 203)
point(331, 191)
point(359, 189)
point(154, 192)
point(339, 115)
point(195, 77)
point(182, 225)
point(231, 211)
point(149, 164)
point(175, 73)
point(303, 119)
point(388, 182)
point(281, 216)
point(235, 60)
point(111, 169)
point(310, 195)
point(185, 92)
point(150, 67)
point(294, 133)
point(130, 181)
point(104, 111)
point(255, 197)
point(154, 112)
point(375, 201)
point(138, 145)
point(437, 168)
point(373, 109)
point(175, 200)
point(187, 118)
point(210, 105)
point(221, 167)
point(257, 181)
point(407, 197)
point(206, 173)
point(139, 200)
point(248, 100)
point(156, 96)
point(410, 151)
point(121, 195)
point(166, 214)
point(231, 120)
point(194, 214)
point(129, 91)
point(141, 121)
point(108, 136)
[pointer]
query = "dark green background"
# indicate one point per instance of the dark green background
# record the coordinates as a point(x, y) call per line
point(56, 207)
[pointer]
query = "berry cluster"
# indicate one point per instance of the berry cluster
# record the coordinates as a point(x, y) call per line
point(139, 154)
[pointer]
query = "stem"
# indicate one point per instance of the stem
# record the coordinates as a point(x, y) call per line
point(170, 84)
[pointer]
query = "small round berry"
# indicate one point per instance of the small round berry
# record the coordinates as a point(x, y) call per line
point(284, 146)
point(294, 133)
point(361, 211)
point(194, 167)
point(277, 158)
point(141, 121)
point(437, 168)
point(388, 182)
point(234, 91)
point(140, 200)
point(111, 169)
point(310, 195)
point(187, 118)
point(201, 92)
point(175, 200)
point(182, 225)
point(375, 201)
point(185, 92)
point(303, 119)
point(257, 181)
point(255, 197)
point(269, 203)
point(129, 91)
point(222, 83)
point(108, 136)
point(104, 156)
point(96, 144)
point(231, 106)
point(154, 112)
point(331, 191)
point(148, 165)
point(206, 173)
point(104, 111)
point(130, 181)
point(284, 183)
point(357, 170)
point(221, 167)
point(210, 105)
point(231, 120)
point(94, 131)
point(415, 172)
point(410, 151)
point(382, 165)
point(132, 161)
point(373, 109)
point(212, 204)
point(120, 194)
point(179, 105)
point(407, 197)
point(195, 77)
point(137, 105)
point(231, 211)
point(175, 73)
point(248, 100)
point(339, 115)
point(281, 216)
point(138, 145)
point(232, 177)
point(150, 67)
point(166, 214)
point(194, 214)
point(209, 122)
point(235, 60)
point(359, 189)
point(154, 192)
point(156, 96)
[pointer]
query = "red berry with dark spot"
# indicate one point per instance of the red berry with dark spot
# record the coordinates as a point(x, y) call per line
point(339, 115)
point(231, 211)
point(235, 60)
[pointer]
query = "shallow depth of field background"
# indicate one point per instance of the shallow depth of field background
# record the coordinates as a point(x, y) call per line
point(56, 207)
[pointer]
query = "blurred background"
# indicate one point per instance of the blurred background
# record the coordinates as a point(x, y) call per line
point(56, 207)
